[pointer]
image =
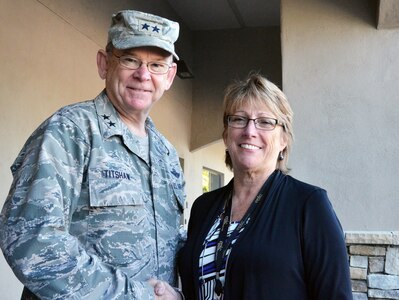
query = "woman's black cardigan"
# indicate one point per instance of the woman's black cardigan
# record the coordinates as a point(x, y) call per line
point(293, 249)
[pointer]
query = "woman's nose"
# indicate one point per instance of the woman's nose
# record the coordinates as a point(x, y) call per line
point(250, 128)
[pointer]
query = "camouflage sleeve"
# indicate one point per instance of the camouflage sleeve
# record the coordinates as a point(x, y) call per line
point(35, 220)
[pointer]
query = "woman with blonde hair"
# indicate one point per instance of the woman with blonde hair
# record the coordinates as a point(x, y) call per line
point(265, 235)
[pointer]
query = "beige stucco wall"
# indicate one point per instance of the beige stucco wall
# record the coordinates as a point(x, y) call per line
point(48, 60)
point(341, 76)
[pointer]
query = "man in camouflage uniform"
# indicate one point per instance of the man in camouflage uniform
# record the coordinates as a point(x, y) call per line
point(94, 209)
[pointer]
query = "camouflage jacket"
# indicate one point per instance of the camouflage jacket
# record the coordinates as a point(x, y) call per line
point(86, 217)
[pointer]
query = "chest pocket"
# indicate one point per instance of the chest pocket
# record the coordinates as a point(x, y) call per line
point(119, 222)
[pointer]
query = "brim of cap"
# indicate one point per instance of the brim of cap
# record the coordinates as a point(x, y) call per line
point(140, 41)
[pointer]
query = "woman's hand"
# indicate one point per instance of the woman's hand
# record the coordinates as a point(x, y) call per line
point(163, 291)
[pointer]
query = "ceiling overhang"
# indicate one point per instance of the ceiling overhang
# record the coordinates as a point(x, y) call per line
point(388, 14)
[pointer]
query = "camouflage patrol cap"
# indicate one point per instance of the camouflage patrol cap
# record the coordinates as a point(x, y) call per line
point(131, 29)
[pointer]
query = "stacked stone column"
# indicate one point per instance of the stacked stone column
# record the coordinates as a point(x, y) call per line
point(374, 264)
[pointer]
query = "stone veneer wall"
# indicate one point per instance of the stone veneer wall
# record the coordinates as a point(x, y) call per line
point(374, 264)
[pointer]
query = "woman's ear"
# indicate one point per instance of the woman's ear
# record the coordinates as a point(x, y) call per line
point(283, 142)
point(224, 136)
point(102, 63)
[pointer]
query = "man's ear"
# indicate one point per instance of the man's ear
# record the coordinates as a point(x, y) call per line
point(102, 63)
point(171, 76)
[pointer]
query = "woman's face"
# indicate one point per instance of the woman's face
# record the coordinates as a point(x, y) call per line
point(253, 150)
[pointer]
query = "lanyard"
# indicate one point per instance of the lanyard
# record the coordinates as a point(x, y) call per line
point(224, 242)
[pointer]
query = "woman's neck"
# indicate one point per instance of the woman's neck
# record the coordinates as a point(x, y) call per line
point(246, 188)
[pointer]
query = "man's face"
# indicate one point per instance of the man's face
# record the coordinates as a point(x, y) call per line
point(133, 92)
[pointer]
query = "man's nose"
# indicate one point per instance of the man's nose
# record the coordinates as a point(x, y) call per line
point(142, 72)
